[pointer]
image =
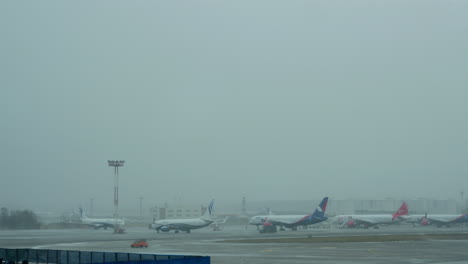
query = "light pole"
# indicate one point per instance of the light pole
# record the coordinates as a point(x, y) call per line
point(91, 206)
point(116, 164)
point(244, 205)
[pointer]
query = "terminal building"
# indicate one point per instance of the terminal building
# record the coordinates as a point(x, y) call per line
point(177, 212)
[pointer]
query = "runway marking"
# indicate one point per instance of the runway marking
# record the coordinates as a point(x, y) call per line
point(328, 248)
point(374, 252)
point(268, 250)
point(61, 245)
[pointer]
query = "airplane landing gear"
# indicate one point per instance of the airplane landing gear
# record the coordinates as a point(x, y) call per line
point(268, 229)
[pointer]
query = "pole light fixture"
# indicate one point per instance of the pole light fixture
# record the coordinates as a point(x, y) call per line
point(116, 164)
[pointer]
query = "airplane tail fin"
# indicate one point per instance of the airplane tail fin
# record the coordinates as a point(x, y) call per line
point(209, 211)
point(403, 210)
point(319, 213)
point(82, 214)
point(424, 220)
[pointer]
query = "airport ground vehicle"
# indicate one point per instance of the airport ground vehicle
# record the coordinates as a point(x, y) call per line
point(140, 243)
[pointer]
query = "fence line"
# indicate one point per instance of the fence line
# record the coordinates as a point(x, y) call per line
point(49, 256)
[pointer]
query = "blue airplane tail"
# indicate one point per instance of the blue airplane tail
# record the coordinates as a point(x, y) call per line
point(319, 213)
point(209, 210)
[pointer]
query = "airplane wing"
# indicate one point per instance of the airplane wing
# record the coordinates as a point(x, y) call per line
point(282, 221)
point(291, 220)
point(97, 225)
point(359, 221)
point(219, 221)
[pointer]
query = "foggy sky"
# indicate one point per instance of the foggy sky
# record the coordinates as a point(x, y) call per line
point(263, 99)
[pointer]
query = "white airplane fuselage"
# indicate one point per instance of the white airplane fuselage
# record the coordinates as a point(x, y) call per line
point(186, 225)
point(373, 220)
point(258, 219)
point(446, 220)
point(286, 218)
point(277, 219)
point(293, 221)
point(369, 220)
point(102, 222)
point(381, 219)
point(193, 222)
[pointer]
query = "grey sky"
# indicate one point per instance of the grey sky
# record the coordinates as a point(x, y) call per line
point(267, 99)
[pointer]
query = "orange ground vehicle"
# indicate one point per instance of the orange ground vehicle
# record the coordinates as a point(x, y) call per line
point(139, 243)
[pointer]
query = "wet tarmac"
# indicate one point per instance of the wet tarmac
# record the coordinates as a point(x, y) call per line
point(207, 242)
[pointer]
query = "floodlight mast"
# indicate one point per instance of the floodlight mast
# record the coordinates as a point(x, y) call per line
point(116, 164)
point(91, 207)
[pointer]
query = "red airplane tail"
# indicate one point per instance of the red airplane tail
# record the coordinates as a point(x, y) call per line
point(403, 210)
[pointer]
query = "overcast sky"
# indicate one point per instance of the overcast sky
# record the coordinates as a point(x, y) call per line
point(268, 99)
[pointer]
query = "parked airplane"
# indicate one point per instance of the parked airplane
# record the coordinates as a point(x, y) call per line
point(440, 219)
point(293, 221)
point(185, 224)
point(366, 221)
point(99, 222)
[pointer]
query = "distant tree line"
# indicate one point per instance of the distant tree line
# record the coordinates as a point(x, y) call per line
point(18, 219)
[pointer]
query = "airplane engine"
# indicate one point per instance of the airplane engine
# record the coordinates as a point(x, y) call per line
point(424, 221)
point(350, 224)
point(165, 228)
